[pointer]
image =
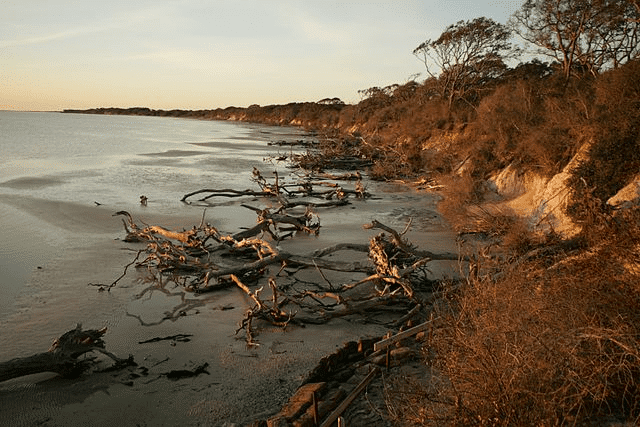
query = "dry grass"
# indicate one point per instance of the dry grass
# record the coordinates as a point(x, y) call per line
point(493, 223)
point(550, 339)
point(458, 193)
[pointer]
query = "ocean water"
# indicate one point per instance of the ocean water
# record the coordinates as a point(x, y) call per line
point(62, 176)
point(114, 159)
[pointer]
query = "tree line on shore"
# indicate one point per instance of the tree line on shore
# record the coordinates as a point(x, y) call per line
point(473, 106)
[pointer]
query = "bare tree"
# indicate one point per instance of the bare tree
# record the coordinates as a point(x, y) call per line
point(467, 55)
point(592, 35)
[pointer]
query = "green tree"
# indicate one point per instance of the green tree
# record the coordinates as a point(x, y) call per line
point(591, 35)
point(466, 56)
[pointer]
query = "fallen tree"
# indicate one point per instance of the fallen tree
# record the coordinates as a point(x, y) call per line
point(63, 357)
point(281, 191)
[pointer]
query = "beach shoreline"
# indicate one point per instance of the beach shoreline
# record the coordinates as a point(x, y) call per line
point(243, 383)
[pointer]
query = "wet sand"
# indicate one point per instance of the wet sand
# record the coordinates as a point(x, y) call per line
point(81, 246)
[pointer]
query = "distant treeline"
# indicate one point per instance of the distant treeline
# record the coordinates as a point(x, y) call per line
point(531, 116)
point(138, 111)
point(311, 114)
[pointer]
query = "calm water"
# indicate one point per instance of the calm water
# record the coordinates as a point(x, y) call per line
point(114, 159)
point(54, 165)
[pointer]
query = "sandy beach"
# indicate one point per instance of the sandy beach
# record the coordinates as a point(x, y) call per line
point(82, 245)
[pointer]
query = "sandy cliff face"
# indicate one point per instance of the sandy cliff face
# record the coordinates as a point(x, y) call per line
point(541, 199)
point(628, 196)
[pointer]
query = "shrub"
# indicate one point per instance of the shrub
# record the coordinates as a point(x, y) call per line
point(614, 157)
point(548, 335)
point(532, 123)
point(549, 341)
point(458, 193)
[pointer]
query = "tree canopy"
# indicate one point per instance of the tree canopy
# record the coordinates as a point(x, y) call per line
point(590, 35)
point(466, 55)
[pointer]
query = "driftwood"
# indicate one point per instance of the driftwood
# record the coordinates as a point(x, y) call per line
point(319, 162)
point(223, 193)
point(178, 337)
point(188, 255)
point(383, 344)
point(202, 259)
point(272, 313)
point(282, 191)
point(405, 246)
point(298, 143)
point(179, 374)
point(63, 356)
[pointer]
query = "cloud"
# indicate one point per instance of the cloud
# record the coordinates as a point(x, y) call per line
point(61, 35)
point(118, 22)
point(316, 27)
point(220, 58)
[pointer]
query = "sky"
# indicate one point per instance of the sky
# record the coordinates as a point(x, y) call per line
point(197, 54)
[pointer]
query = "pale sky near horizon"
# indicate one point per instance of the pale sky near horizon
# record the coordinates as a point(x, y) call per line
point(196, 54)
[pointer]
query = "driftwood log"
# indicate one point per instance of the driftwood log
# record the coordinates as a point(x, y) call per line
point(63, 356)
